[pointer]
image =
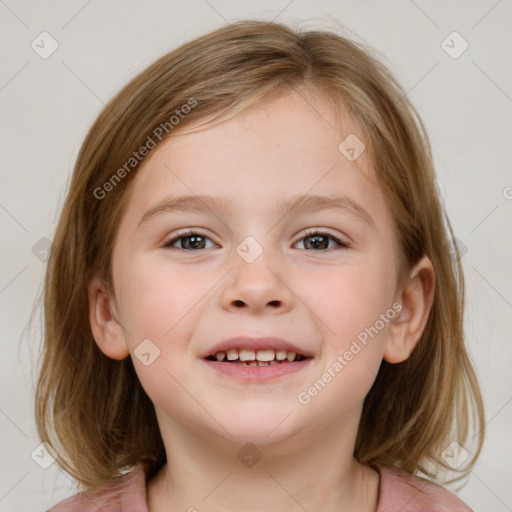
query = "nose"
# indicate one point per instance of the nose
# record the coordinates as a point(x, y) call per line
point(257, 287)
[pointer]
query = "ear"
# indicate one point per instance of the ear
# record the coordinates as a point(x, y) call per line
point(107, 331)
point(416, 298)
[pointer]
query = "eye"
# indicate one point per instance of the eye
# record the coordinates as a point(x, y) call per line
point(190, 241)
point(319, 240)
point(194, 240)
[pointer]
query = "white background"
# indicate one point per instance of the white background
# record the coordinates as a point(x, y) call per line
point(47, 106)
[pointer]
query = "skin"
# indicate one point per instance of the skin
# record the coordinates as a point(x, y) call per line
point(184, 301)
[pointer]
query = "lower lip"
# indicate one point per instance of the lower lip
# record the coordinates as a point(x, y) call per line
point(258, 373)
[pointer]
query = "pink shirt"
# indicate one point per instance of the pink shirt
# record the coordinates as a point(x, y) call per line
point(398, 492)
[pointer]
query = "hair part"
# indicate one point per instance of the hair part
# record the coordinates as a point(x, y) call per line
point(93, 409)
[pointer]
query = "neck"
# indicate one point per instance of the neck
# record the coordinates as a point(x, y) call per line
point(311, 470)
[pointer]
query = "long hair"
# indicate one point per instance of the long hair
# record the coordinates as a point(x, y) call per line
point(92, 409)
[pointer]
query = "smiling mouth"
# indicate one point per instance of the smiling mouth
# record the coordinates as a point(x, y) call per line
point(265, 357)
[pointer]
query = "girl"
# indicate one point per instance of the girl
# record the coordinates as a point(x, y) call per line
point(252, 302)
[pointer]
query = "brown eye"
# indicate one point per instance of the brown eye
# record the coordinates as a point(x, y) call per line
point(188, 242)
point(318, 240)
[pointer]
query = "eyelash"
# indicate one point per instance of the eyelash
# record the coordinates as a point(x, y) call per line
point(309, 234)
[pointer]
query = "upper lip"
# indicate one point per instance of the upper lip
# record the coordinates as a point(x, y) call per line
point(251, 343)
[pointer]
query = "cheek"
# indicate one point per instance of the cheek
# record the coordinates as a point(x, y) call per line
point(156, 298)
point(164, 306)
point(350, 298)
point(161, 307)
point(355, 310)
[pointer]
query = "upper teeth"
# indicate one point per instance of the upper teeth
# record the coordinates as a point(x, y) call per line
point(255, 355)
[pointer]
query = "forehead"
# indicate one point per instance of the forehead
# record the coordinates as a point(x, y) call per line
point(284, 147)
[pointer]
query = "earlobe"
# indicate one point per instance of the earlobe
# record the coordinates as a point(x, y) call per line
point(106, 329)
point(416, 298)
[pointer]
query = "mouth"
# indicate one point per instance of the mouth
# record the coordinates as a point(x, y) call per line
point(256, 360)
point(259, 358)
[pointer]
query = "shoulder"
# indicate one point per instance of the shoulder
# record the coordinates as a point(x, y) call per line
point(402, 491)
point(124, 494)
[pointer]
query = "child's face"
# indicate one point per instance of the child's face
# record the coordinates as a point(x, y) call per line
point(312, 292)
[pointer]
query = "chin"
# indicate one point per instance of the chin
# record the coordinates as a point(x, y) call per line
point(262, 427)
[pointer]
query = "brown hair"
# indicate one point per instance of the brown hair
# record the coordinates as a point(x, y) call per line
point(93, 409)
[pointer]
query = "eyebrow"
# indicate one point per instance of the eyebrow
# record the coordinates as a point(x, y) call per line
point(296, 205)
